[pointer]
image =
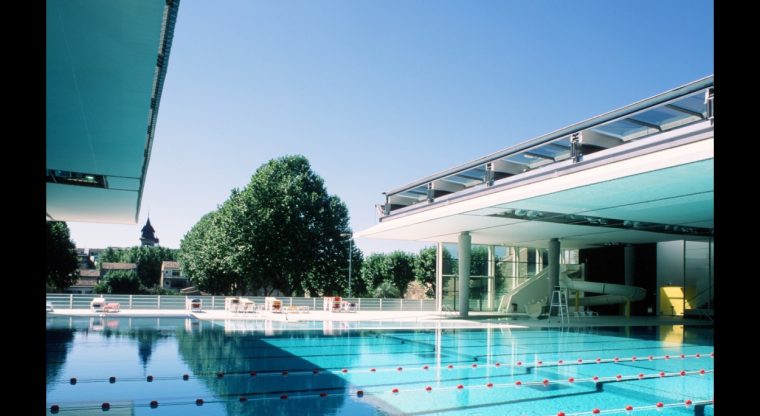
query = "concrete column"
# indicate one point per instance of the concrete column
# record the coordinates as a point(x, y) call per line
point(515, 267)
point(465, 249)
point(553, 264)
point(491, 278)
point(439, 277)
point(628, 263)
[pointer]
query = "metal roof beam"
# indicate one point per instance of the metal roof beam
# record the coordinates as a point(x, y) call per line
point(685, 110)
point(643, 123)
point(540, 156)
point(597, 138)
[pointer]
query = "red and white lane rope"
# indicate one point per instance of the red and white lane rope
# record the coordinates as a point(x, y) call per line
point(55, 408)
point(546, 382)
point(628, 408)
point(398, 369)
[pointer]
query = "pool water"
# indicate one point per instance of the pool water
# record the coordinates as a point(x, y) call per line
point(332, 368)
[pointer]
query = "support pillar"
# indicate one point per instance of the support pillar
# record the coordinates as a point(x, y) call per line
point(439, 277)
point(515, 270)
point(628, 263)
point(553, 264)
point(490, 304)
point(465, 249)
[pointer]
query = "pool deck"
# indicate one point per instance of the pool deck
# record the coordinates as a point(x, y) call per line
point(474, 319)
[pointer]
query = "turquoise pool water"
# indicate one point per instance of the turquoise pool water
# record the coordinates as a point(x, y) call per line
point(238, 368)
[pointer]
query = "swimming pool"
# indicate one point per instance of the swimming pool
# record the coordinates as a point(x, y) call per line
point(190, 367)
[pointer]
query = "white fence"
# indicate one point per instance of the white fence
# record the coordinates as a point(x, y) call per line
point(79, 301)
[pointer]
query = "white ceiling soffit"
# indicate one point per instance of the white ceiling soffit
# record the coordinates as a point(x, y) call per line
point(105, 67)
point(671, 185)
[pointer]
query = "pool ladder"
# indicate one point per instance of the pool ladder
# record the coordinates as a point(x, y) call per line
point(559, 300)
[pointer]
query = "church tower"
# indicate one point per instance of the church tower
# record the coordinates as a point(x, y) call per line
point(148, 235)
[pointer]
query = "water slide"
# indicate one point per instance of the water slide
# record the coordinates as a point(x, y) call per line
point(531, 295)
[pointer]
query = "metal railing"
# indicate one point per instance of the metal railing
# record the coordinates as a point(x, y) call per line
point(701, 304)
point(481, 172)
point(169, 302)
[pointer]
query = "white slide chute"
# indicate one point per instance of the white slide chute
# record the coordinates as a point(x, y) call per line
point(533, 293)
point(610, 293)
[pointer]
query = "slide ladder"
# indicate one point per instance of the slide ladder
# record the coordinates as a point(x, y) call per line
point(559, 301)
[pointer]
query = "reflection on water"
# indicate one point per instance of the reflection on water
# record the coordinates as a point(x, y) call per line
point(59, 342)
point(204, 350)
point(235, 355)
point(230, 359)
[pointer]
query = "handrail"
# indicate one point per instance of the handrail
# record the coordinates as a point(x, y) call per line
point(693, 300)
point(178, 302)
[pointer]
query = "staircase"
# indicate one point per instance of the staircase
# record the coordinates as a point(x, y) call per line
point(705, 310)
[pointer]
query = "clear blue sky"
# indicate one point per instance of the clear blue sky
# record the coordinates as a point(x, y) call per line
point(378, 94)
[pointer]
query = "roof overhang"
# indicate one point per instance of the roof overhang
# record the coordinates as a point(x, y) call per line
point(665, 179)
point(105, 67)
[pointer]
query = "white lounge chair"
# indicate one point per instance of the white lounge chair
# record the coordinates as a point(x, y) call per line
point(97, 304)
point(193, 305)
point(232, 304)
point(247, 306)
point(112, 307)
point(332, 303)
point(347, 306)
point(272, 304)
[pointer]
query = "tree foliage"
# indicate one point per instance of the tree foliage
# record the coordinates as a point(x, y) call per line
point(375, 270)
point(110, 255)
point(386, 289)
point(402, 269)
point(147, 258)
point(61, 256)
point(283, 232)
point(119, 281)
point(396, 268)
point(424, 269)
point(202, 259)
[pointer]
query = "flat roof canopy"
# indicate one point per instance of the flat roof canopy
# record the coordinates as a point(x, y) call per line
point(652, 187)
point(106, 63)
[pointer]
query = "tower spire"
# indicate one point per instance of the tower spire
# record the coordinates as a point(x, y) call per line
point(148, 237)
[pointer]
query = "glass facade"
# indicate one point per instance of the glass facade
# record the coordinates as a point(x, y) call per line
point(685, 276)
point(495, 270)
point(697, 257)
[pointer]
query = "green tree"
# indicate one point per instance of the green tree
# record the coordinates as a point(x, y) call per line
point(282, 231)
point(295, 228)
point(396, 268)
point(402, 269)
point(148, 260)
point(122, 282)
point(110, 255)
point(479, 261)
point(375, 270)
point(201, 260)
point(424, 269)
point(61, 256)
point(387, 289)
point(358, 288)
